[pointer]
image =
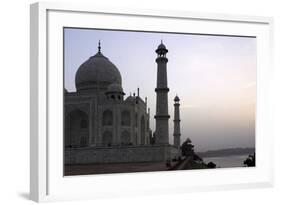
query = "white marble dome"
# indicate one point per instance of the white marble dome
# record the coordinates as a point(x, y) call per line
point(115, 88)
point(97, 73)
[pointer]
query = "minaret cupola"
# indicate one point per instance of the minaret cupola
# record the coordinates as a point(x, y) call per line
point(161, 50)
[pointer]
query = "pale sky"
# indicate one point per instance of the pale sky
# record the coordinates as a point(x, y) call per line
point(214, 77)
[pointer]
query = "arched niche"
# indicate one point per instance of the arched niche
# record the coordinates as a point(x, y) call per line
point(77, 129)
point(107, 138)
point(136, 119)
point(107, 118)
point(142, 130)
point(125, 138)
point(125, 118)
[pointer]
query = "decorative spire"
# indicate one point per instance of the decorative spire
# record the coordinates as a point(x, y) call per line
point(161, 41)
point(99, 47)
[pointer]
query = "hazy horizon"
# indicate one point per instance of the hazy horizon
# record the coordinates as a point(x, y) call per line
point(214, 77)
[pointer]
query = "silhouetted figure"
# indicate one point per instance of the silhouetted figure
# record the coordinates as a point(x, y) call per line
point(168, 163)
point(250, 161)
point(187, 148)
point(211, 165)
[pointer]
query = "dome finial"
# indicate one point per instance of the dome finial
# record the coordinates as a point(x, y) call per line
point(99, 47)
point(161, 41)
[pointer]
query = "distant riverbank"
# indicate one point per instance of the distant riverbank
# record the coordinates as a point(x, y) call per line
point(227, 161)
point(227, 152)
point(223, 158)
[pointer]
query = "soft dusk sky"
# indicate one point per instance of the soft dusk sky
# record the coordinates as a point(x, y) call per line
point(214, 77)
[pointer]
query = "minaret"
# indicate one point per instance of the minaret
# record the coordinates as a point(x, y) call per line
point(162, 115)
point(177, 133)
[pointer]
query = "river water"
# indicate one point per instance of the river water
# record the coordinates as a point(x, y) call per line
point(227, 161)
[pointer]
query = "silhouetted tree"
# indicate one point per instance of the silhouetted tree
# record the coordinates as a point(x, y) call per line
point(187, 148)
point(250, 161)
point(211, 165)
point(197, 158)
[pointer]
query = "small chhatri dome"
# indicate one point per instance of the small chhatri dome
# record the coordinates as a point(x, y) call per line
point(161, 46)
point(130, 99)
point(97, 73)
point(176, 99)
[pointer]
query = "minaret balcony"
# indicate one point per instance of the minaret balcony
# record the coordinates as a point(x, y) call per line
point(162, 89)
point(161, 116)
point(161, 59)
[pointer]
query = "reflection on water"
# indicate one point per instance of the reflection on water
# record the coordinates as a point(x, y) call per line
point(227, 161)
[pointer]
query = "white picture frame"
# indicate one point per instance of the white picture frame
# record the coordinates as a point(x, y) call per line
point(47, 182)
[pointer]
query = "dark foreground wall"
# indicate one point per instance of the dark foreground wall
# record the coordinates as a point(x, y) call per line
point(147, 153)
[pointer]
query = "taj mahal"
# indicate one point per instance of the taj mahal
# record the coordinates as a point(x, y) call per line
point(101, 125)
